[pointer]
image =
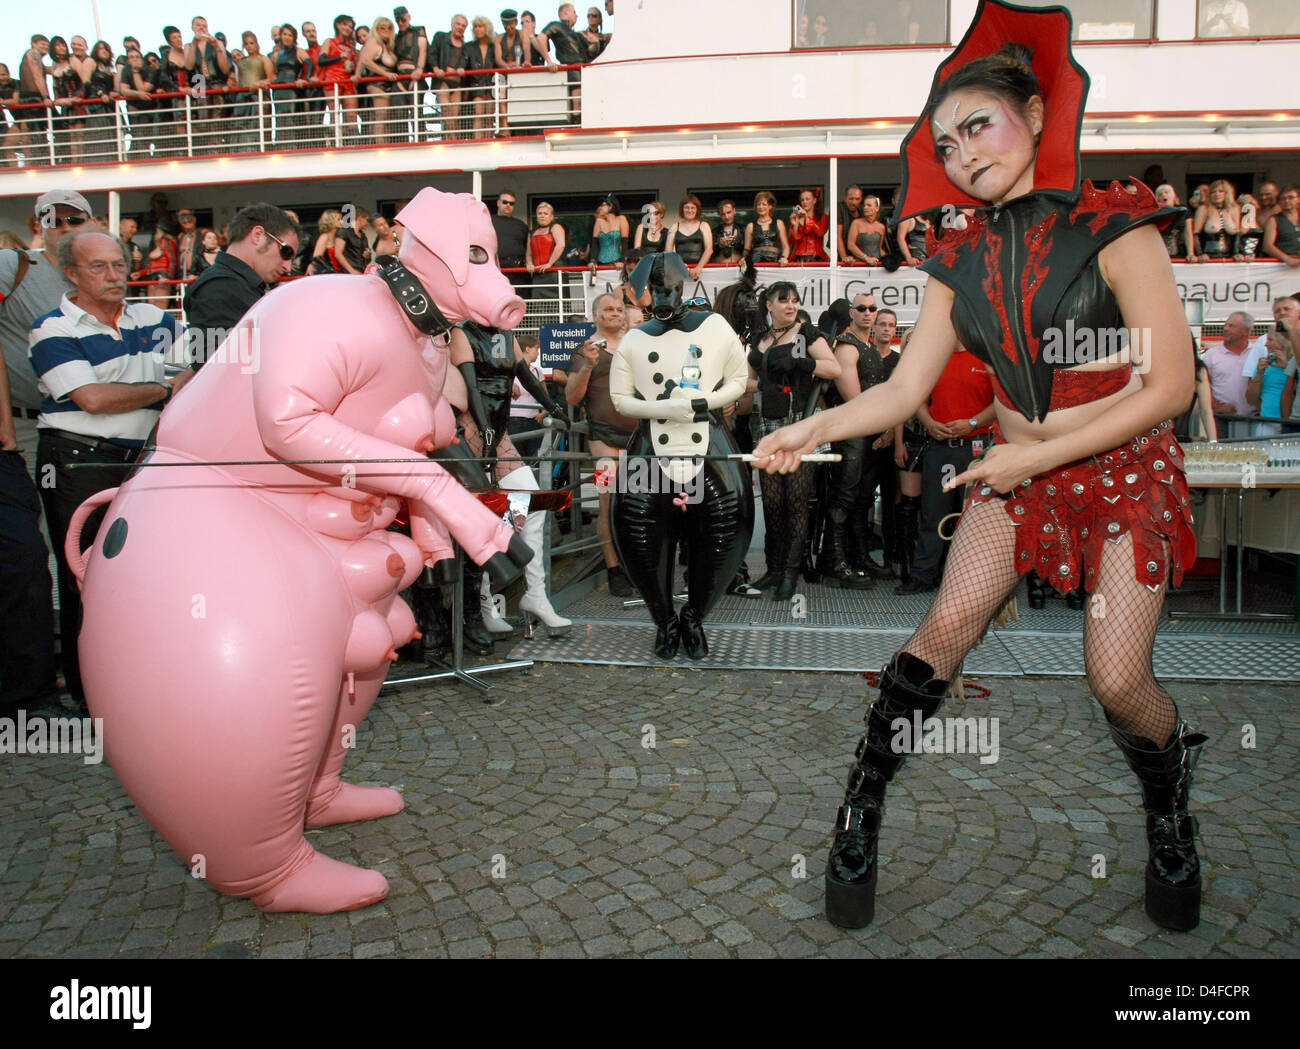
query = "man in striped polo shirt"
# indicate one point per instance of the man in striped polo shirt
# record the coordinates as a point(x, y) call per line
point(99, 363)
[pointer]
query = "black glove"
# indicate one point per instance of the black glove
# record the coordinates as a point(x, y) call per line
point(780, 359)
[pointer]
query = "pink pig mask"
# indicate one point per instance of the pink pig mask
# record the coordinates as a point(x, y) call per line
point(451, 247)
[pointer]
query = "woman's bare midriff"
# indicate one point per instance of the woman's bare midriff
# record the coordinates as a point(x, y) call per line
point(1065, 421)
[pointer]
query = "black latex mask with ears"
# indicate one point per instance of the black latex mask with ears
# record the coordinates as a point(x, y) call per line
point(664, 273)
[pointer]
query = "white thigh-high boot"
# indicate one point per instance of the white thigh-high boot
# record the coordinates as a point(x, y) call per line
point(535, 602)
point(494, 623)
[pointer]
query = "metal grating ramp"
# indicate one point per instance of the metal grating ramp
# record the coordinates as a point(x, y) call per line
point(853, 631)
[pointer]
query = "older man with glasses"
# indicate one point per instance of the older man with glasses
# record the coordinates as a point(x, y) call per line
point(263, 243)
point(100, 365)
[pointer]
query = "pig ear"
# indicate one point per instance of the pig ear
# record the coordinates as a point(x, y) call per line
point(443, 225)
point(452, 240)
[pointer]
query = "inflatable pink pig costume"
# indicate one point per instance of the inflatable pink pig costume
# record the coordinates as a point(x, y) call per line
point(239, 620)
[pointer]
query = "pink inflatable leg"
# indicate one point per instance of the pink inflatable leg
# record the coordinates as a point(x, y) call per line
point(317, 884)
point(331, 800)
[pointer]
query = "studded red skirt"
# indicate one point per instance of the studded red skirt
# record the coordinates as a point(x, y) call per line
point(1064, 517)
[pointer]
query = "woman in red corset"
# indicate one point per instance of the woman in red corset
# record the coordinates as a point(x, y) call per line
point(1085, 484)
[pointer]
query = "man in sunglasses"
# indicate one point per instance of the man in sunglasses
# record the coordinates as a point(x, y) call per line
point(263, 243)
point(512, 236)
point(31, 285)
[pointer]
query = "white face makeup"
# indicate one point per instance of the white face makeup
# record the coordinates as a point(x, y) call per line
point(987, 147)
point(943, 131)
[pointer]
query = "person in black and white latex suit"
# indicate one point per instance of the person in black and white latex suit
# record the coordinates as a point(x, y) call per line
point(673, 373)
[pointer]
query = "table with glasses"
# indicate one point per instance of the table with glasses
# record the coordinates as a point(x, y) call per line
point(1264, 474)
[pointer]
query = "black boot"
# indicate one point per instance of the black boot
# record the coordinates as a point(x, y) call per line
point(786, 588)
point(1039, 590)
point(695, 644)
point(773, 555)
point(907, 688)
point(838, 571)
point(667, 638)
point(906, 534)
point(477, 638)
point(1173, 876)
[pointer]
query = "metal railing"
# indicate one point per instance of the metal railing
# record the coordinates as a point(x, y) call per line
point(289, 117)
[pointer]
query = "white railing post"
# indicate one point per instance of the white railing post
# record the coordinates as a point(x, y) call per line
point(189, 128)
point(338, 119)
point(261, 122)
point(49, 131)
point(117, 129)
point(413, 129)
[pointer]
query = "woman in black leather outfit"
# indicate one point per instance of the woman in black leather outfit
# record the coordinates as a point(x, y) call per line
point(102, 92)
point(783, 362)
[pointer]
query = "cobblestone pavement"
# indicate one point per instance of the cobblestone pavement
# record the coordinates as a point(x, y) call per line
point(695, 847)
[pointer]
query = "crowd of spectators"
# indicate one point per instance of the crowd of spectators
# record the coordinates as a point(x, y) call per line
point(382, 73)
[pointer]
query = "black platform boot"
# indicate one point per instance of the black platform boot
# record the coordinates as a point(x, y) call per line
point(908, 687)
point(1173, 876)
point(694, 643)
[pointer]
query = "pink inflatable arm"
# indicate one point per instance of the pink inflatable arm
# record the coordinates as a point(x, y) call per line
point(295, 397)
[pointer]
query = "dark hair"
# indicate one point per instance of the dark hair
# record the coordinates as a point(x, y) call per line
point(724, 203)
point(880, 313)
point(59, 40)
point(104, 44)
point(268, 216)
point(690, 198)
point(1008, 73)
point(818, 210)
point(289, 26)
point(834, 319)
point(343, 18)
point(782, 289)
point(168, 30)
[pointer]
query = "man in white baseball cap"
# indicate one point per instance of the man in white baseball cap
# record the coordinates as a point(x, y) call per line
point(31, 285)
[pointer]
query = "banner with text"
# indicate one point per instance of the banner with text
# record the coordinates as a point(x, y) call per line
point(1225, 287)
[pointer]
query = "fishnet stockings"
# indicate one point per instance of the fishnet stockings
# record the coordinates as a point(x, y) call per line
point(786, 510)
point(1119, 625)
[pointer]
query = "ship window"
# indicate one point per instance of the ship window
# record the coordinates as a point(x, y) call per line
point(1248, 18)
point(1107, 19)
point(873, 23)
